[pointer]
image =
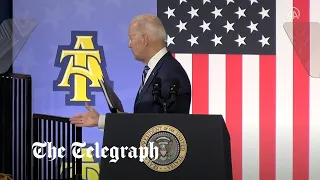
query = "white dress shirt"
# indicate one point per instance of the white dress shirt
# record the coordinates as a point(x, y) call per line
point(151, 64)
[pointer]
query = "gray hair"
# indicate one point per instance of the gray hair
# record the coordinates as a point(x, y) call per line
point(151, 25)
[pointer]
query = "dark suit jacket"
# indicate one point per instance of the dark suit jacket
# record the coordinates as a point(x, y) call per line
point(167, 69)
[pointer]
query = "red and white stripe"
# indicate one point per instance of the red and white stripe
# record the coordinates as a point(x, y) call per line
point(270, 104)
point(314, 104)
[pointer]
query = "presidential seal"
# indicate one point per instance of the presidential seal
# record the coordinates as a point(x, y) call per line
point(172, 147)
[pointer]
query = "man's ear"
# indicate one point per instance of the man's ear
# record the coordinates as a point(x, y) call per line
point(145, 40)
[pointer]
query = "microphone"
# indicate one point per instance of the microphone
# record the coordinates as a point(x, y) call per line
point(174, 88)
point(156, 92)
point(173, 92)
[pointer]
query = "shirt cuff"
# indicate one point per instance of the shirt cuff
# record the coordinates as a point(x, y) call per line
point(101, 122)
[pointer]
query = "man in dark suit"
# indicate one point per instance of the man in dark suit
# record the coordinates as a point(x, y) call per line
point(148, 45)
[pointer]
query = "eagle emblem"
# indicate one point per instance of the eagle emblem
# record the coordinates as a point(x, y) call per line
point(164, 144)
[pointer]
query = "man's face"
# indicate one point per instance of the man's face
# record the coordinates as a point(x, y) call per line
point(136, 43)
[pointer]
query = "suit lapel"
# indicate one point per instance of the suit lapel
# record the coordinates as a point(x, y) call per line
point(149, 81)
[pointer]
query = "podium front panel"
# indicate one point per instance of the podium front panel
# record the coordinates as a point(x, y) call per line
point(194, 146)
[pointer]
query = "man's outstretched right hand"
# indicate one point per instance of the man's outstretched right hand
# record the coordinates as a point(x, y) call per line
point(87, 119)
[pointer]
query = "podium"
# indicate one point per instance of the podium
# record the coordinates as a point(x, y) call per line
point(195, 147)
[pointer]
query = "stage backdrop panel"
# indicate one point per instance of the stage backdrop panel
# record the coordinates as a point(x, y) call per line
point(59, 24)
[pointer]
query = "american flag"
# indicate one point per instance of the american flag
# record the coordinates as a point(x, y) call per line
point(242, 65)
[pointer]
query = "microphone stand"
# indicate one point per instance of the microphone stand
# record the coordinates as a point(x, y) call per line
point(161, 101)
point(165, 103)
point(174, 91)
point(158, 99)
point(164, 106)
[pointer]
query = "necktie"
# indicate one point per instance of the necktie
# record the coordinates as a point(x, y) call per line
point(145, 72)
point(144, 75)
